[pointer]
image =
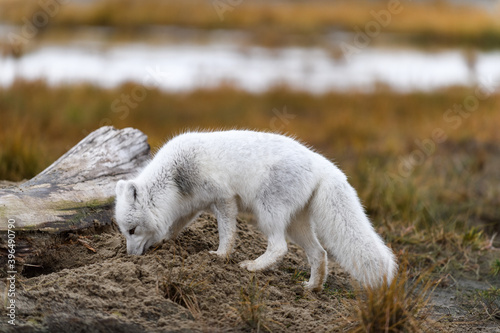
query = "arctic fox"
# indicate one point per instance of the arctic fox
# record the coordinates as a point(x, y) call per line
point(292, 191)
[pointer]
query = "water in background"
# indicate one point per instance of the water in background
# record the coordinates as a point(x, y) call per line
point(190, 66)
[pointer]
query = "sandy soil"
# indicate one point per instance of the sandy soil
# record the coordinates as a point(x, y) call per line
point(180, 287)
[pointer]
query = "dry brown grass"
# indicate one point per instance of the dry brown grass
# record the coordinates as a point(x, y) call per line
point(442, 215)
point(271, 21)
point(46, 121)
point(252, 306)
point(378, 125)
point(183, 288)
point(401, 306)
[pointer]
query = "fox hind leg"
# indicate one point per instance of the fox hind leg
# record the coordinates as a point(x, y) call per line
point(276, 249)
point(301, 233)
point(273, 226)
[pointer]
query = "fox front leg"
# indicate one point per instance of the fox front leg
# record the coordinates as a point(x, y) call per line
point(225, 211)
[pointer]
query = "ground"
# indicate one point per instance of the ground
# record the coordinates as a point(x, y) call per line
point(87, 283)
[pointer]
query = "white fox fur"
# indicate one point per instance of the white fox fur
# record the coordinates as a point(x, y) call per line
point(292, 191)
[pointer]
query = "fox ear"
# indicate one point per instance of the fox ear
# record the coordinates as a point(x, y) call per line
point(131, 191)
point(127, 188)
point(120, 186)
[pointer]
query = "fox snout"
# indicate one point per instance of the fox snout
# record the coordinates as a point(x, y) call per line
point(135, 250)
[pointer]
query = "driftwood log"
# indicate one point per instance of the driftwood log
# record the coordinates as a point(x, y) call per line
point(79, 187)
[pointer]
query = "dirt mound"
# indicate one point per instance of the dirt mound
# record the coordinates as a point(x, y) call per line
point(176, 287)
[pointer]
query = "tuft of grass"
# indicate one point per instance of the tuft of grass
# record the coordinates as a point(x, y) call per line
point(298, 275)
point(182, 288)
point(495, 267)
point(473, 237)
point(398, 307)
point(252, 306)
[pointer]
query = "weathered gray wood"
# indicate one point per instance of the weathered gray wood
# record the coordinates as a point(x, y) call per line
point(79, 187)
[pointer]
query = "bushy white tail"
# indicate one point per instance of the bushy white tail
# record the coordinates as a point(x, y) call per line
point(346, 233)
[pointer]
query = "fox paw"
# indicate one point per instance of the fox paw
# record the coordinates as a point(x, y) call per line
point(312, 286)
point(250, 265)
point(219, 254)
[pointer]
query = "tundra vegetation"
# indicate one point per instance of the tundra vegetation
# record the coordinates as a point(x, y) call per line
point(426, 166)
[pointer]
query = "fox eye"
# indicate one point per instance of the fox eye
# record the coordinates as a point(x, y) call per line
point(132, 231)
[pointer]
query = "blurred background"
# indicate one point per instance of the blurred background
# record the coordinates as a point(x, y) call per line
point(403, 95)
